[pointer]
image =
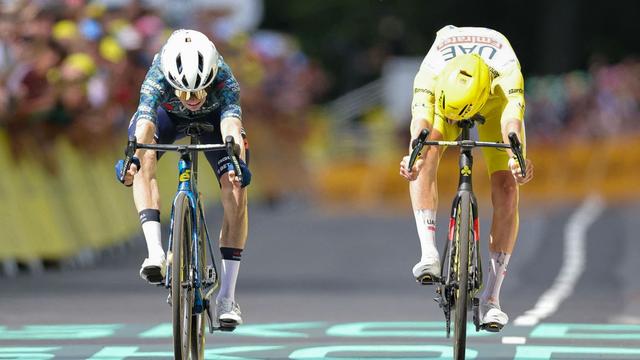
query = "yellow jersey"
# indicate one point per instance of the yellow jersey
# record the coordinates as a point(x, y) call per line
point(506, 99)
point(507, 85)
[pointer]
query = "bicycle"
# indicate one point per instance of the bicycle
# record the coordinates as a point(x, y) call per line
point(190, 279)
point(459, 284)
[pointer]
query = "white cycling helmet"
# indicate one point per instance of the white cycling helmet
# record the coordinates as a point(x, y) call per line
point(189, 60)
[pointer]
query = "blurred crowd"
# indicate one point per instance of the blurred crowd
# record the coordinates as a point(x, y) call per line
point(601, 102)
point(73, 69)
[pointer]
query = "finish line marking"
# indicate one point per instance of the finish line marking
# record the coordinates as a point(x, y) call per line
point(572, 264)
point(514, 340)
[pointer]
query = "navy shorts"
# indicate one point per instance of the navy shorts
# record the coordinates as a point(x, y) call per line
point(171, 128)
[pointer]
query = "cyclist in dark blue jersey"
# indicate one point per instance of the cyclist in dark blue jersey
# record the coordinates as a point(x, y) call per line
point(189, 81)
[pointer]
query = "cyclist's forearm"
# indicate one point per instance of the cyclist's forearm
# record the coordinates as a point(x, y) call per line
point(233, 126)
point(145, 130)
point(417, 124)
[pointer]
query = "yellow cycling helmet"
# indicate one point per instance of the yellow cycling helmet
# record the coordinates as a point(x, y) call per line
point(463, 87)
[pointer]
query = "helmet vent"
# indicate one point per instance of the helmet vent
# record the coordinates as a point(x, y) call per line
point(187, 39)
point(185, 82)
point(200, 61)
point(173, 81)
point(179, 64)
point(442, 100)
point(197, 81)
point(463, 109)
point(465, 73)
point(209, 77)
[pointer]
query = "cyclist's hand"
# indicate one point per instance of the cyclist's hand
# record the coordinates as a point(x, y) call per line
point(128, 176)
point(413, 174)
point(246, 175)
point(517, 174)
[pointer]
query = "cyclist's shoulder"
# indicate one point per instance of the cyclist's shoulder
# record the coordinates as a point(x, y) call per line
point(224, 80)
point(154, 82)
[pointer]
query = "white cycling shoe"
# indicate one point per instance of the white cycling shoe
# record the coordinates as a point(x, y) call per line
point(228, 313)
point(427, 272)
point(492, 318)
point(153, 270)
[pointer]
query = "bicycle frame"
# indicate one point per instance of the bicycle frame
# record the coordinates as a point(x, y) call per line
point(187, 184)
point(465, 185)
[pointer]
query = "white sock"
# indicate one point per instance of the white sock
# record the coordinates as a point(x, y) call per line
point(426, 225)
point(497, 272)
point(228, 279)
point(153, 236)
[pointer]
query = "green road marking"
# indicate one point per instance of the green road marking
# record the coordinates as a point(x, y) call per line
point(545, 352)
point(432, 329)
point(159, 331)
point(59, 332)
point(124, 352)
point(217, 353)
point(283, 330)
point(31, 353)
point(321, 352)
point(587, 331)
point(277, 330)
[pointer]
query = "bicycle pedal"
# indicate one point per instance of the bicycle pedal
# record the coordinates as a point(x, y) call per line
point(491, 327)
point(428, 280)
point(227, 328)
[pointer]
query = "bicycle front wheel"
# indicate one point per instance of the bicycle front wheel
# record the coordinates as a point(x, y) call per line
point(462, 238)
point(198, 320)
point(181, 274)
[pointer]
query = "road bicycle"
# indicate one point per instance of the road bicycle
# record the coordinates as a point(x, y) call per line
point(191, 278)
point(461, 265)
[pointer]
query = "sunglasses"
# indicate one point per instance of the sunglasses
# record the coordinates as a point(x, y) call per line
point(186, 95)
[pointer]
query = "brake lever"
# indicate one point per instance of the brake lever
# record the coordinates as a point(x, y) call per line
point(128, 156)
point(516, 147)
point(416, 146)
point(233, 151)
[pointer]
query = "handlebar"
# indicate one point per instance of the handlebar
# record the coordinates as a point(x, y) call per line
point(232, 149)
point(514, 144)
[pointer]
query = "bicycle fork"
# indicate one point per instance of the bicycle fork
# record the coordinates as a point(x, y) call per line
point(448, 284)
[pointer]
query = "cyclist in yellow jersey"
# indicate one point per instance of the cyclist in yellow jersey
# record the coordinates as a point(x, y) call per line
point(469, 72)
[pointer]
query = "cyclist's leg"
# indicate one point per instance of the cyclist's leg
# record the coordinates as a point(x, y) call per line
point(233, 233)
point(147, 199)
point(504, 226)
point(424, 198)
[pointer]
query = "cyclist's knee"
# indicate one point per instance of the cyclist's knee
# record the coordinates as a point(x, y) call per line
point(504, 190)
point(234, 200)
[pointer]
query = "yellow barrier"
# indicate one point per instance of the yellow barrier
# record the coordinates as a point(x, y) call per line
point(82, 207)
point(562, 173)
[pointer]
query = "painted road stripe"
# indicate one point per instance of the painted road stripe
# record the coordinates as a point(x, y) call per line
point(514, 340)
point(572, 264)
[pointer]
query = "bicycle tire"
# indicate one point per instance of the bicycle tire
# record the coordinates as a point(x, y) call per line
point(463, 237)
point(198, 320)
point(181, 297)
point(197, 336)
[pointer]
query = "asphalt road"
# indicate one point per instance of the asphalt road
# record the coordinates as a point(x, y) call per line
point(326, 284)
